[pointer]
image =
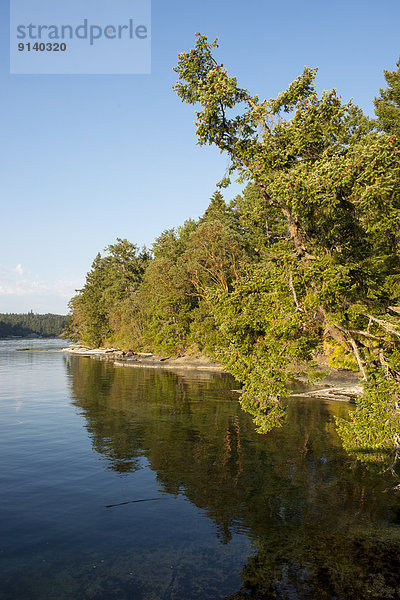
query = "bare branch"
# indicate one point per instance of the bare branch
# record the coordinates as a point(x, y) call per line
point(366, 334)
point(384, 324)
point(259, 109)
point(355, 350)
point(298, 307)
point(383, 362)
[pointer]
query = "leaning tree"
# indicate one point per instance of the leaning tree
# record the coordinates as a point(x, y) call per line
point(331, 282)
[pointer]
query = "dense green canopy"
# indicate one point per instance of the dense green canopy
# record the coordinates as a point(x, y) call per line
point(303, 264)
point(387, 106)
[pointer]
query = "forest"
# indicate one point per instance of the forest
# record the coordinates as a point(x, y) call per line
point(26, 324)
point(302, 267)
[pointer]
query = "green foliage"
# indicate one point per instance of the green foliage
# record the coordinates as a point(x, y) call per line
point(111, 280)
point(305, 259)
point(261, 224)
point(338, 357)
point(204, 334)
point(387, 106)
point(189, 264)
point(213, 258)
point(373, 433)
point(331, 268)
point(167, 293)
point(263, 337)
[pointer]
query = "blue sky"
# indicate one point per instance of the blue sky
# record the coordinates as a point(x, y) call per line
point(89, 158)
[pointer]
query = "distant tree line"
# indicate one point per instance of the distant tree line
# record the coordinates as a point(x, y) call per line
point(48, 325)
point(305, 262)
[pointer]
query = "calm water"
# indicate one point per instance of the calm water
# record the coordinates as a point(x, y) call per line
point(125, 484)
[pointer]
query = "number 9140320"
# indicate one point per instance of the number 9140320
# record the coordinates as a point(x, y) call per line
point(42, 47)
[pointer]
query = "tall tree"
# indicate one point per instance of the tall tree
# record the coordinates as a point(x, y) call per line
point(336, 183)
point(89, 319)
point(111, 280)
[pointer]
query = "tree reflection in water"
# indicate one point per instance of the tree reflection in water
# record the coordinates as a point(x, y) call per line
point(321, 524)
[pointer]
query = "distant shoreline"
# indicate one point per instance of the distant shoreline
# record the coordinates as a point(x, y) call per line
point(31, 336)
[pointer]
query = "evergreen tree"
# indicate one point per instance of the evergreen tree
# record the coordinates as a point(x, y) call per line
point(303, 262)
point(89, 323)
point(335, 182)
point(387, 106)
point(111, 280)
point(21, 325)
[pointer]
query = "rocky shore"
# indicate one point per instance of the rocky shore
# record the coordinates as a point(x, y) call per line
point(338, 384)
point(145, 359)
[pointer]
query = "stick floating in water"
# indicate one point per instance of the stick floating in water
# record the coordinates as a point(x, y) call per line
point(133, 501)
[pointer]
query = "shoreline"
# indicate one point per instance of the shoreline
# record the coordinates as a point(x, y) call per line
point(339, 384)
point(145, 359)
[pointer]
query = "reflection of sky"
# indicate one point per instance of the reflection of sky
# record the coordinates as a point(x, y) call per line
point(127, 54)
point(210, 495)
point(62, 505)
point(24, 374)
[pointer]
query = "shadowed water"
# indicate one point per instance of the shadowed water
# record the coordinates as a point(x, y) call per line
point(119, 483)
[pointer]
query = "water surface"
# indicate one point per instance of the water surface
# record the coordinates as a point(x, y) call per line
point(119, 483)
